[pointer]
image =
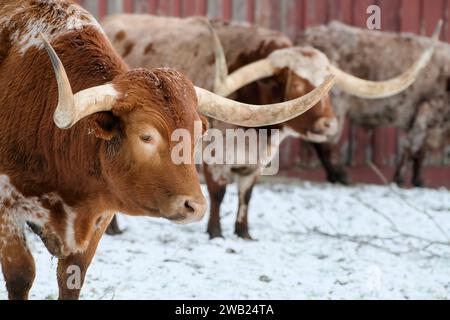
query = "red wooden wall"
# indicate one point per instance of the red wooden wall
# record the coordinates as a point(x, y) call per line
point(291, 16)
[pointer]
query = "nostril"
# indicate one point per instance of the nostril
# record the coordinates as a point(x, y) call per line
point(189, 207)
point(327, 124)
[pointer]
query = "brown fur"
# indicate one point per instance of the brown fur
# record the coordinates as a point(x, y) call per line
point(91, 170)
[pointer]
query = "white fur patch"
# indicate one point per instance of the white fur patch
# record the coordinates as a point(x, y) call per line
point(19, 210)
point(16, 210)
point(54, 24)
point(244, 184)
point(70, 230)
point(308, 63)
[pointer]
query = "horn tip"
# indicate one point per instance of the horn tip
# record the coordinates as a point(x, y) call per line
point(438, 29)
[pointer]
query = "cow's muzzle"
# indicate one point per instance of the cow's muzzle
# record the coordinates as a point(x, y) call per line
point(185, 210)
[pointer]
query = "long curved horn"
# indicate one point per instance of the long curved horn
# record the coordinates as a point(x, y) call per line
point(72, 108)
point(221, 67)
point(383, 89)
point(225, 84)
point(362, 88)
point(250, 73)
point(247, 115)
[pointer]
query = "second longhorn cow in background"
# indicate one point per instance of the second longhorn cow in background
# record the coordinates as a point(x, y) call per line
point(266, 69)
point(423, 111)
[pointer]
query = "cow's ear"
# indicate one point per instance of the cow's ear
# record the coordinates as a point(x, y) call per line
point(205, 123)
point(104, 125)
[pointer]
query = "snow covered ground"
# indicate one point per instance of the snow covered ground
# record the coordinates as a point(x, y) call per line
point(314, 242)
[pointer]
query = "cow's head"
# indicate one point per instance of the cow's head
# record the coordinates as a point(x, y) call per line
point(320, 123)
point(137, 161)
point(135, 116)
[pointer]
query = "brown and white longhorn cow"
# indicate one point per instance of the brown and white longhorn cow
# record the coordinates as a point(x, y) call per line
point(94, 139)
point(253, 53)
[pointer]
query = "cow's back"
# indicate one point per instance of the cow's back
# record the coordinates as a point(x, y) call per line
point(187, 45)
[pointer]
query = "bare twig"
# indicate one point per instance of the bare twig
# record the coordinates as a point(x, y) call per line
point(396, 228)
point(371, 240)
point(408, 203)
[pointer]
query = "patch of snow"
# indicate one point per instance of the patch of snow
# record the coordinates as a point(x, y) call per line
point(297, 255)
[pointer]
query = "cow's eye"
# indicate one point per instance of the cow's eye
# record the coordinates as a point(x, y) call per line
point(147, 139)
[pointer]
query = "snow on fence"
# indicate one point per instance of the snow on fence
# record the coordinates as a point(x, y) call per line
point(358, 147)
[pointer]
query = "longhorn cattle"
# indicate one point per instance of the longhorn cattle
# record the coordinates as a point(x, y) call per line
point(67, 161)
point(252, 54)
point(423, 111)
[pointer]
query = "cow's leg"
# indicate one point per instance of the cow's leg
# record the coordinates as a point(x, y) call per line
point(335, 174)
point(17, 262)
point(245, 188)
point(415, 149)
point(418, 158)
point(113, 228)
point(400, 171)
point(72, 270)
point(216, 194)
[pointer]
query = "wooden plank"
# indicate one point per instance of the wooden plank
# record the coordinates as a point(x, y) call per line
point(262, 15)
point(333, 10)
point(283, 15)
point(165, 8)
point(309, 13)
point(447, 21)
point(177, 8)
point(411, 16)
point(360, 12)
point(432, 14)
point(346, 11)
point(202, 7)
point(240, 10)
point(384, 142)
point(385, 146)
point(361, 145)
point(214, 9)
point(321, 13)
point(227, 9)
point(114, 6)
point(92, 7)
point(275, 18)
point(436, 177)
point(446, 156)
point(189, 8)
point(290, 153)
point(128, 6)
point(344, 145)
point(316, 12)
point(250, 11)
point(145, 6)
point(153, 6)
point(102, 9)
point(305, 156)
point(390, 14)
point(293, 18)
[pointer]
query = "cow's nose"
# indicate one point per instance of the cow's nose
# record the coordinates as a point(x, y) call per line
point(326, 126)
point(190, 210)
